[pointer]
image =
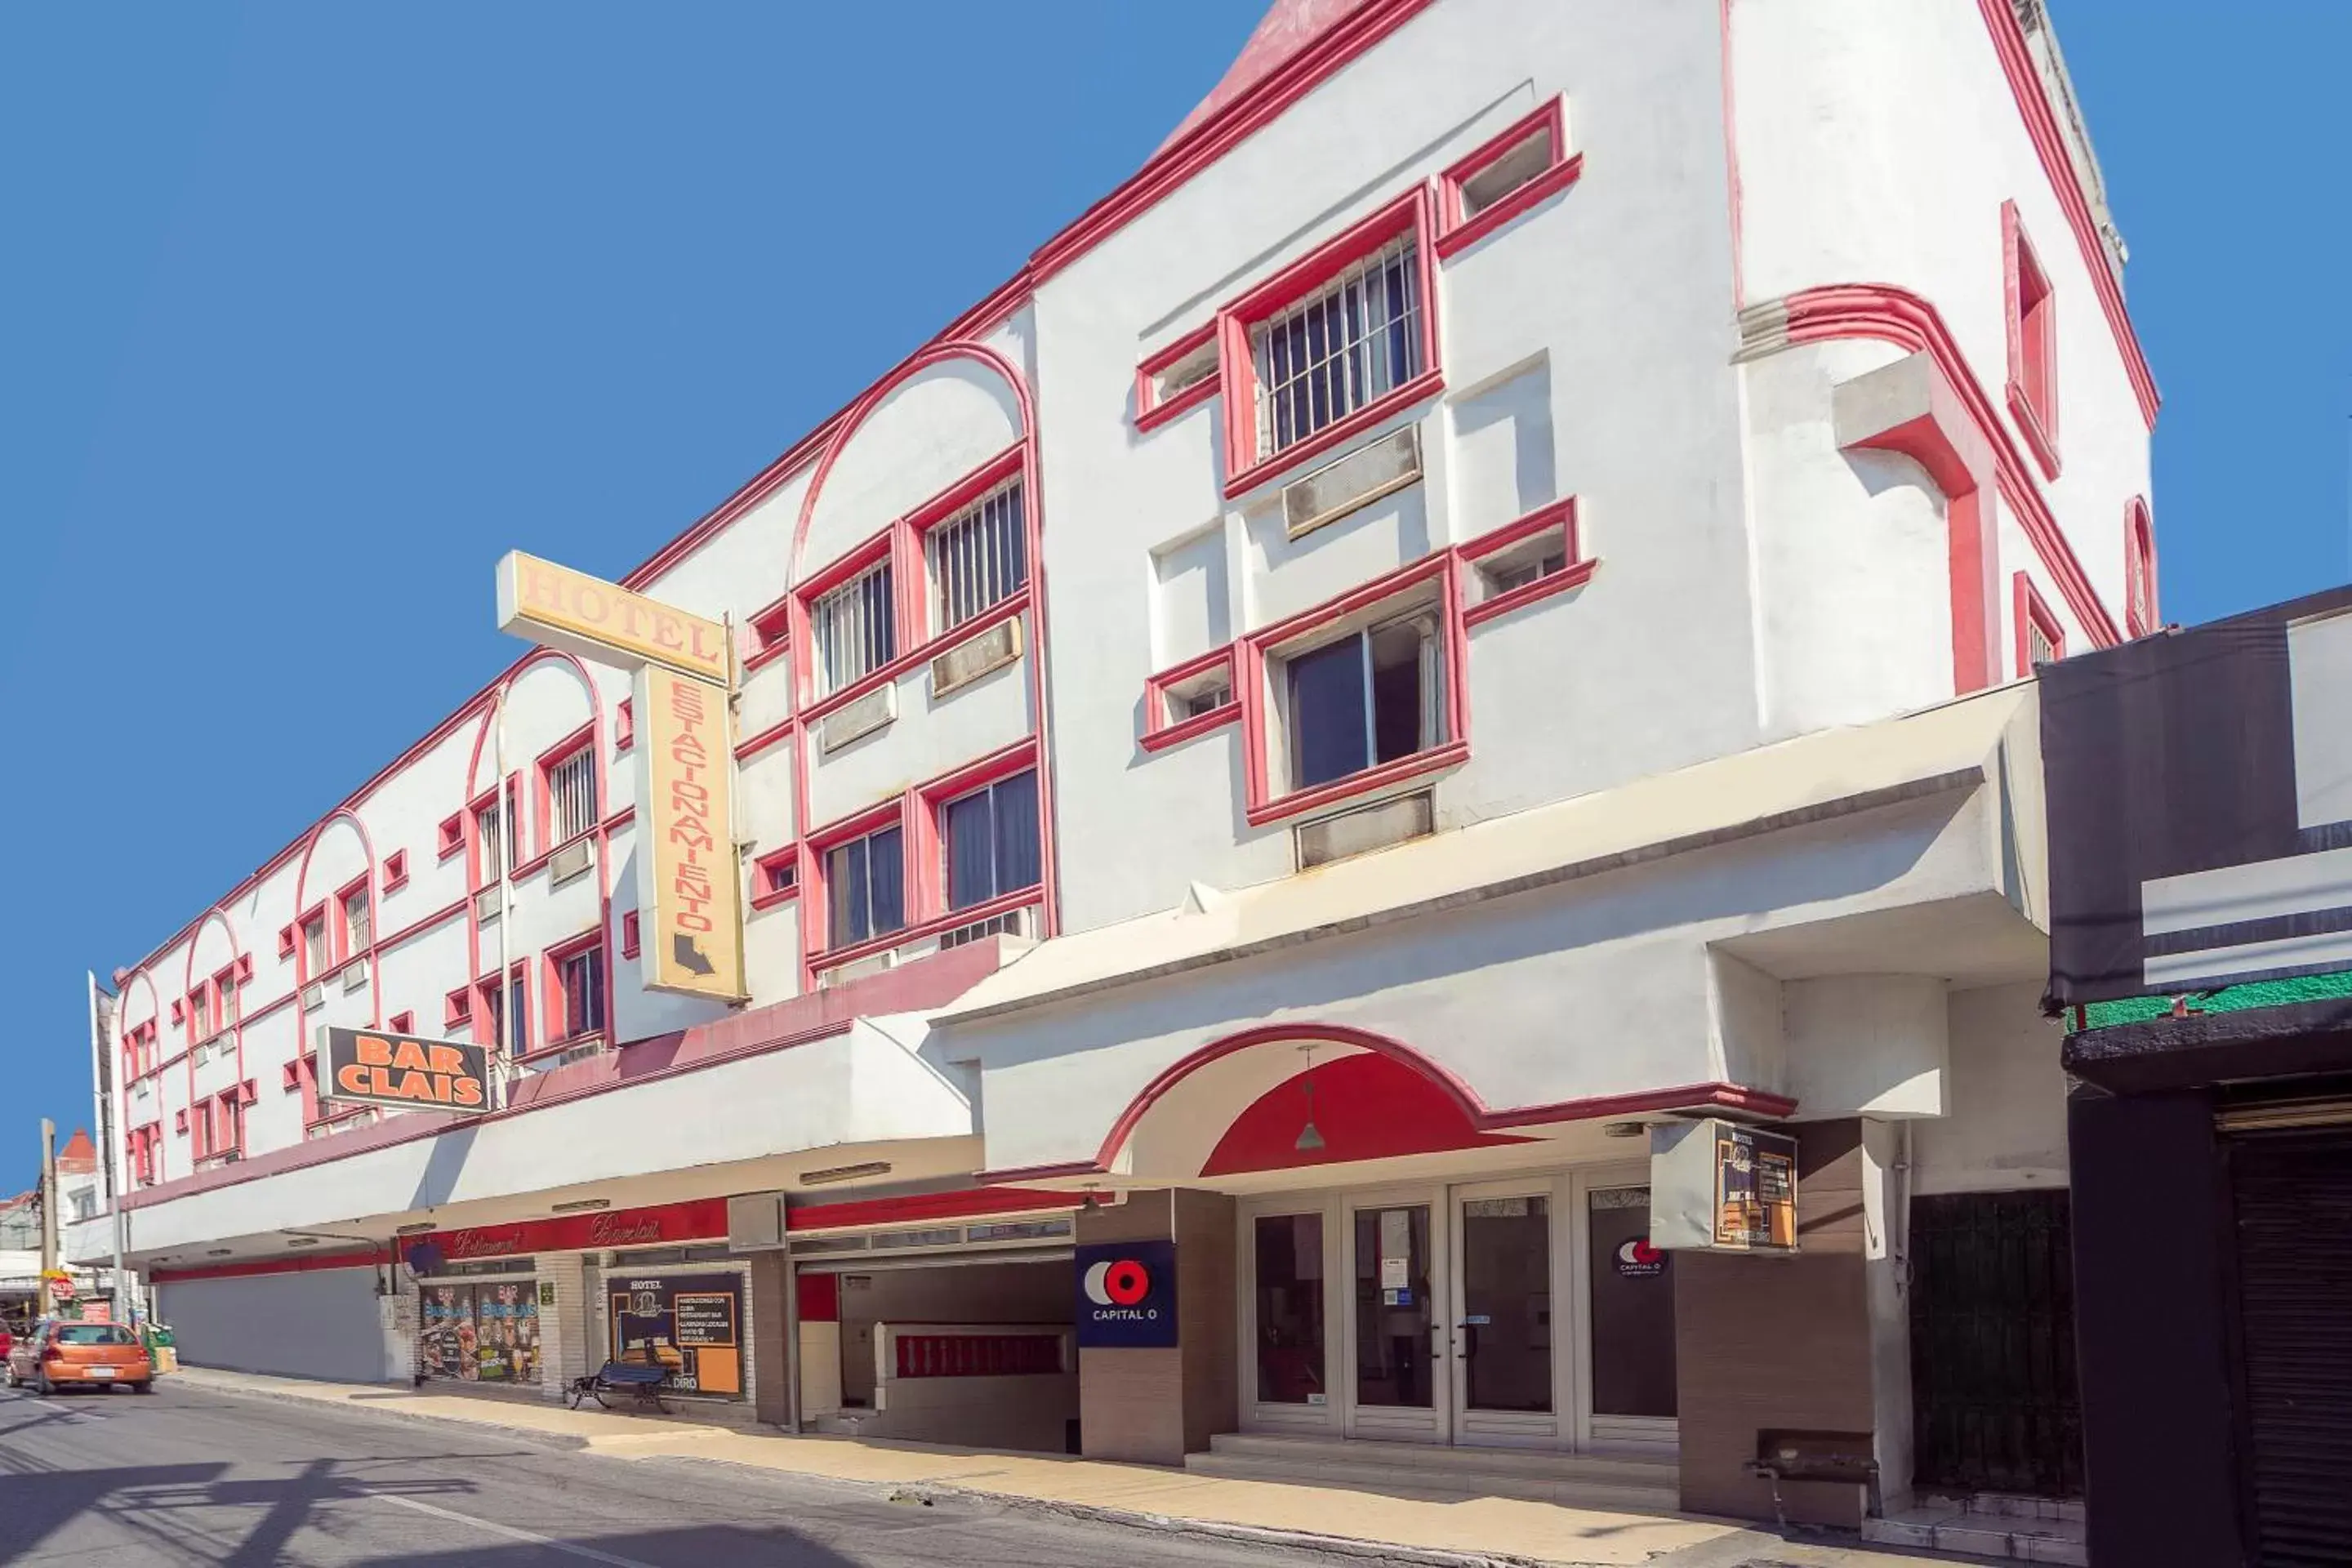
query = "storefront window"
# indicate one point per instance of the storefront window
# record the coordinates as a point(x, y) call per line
point(481, 1334)
point(1289, 1286)
point(1633, 1308)
point(689, 1325)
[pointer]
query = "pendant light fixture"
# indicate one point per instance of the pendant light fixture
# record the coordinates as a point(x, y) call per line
point(1309, 1139)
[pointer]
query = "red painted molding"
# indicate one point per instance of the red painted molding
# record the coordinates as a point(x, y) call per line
point(2027, 613)
point(298, 1263)
point(1151, 414)
point(2050, 145)
point(1889, 314)
point(1159, 732)
point(1575, 574)
point(1685, 1097)
point(2031, 334)
point(929, 983)
point(965, 1203)
point(2139, 570)
point(775, 735)
point(1246, 467)
point(1456, 233)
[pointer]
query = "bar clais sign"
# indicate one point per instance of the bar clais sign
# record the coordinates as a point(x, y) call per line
point(407, 1072)
point(690, 878)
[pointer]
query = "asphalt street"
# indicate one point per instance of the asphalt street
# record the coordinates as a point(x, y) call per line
point(185, 1477)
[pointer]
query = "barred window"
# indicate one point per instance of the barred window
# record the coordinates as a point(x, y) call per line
point(853, 629)
point(358, 929)
point(571, 795)
point(1352, 342)
point(978, 557)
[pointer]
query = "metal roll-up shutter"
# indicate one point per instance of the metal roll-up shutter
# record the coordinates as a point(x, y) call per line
point(2293, 1193)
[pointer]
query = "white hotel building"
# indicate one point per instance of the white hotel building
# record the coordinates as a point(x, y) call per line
point(1476, 604)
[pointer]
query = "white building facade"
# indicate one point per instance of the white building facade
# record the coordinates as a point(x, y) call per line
point(1475, 605)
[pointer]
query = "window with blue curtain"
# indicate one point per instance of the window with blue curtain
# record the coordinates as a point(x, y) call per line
point(992, 841)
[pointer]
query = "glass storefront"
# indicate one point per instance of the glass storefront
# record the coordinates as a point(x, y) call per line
point(1393, 1308)
point(1506, 1303)
point(1632, 1307)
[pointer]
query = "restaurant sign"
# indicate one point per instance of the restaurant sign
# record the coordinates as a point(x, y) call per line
point(703, 1219)
point(409, 1072)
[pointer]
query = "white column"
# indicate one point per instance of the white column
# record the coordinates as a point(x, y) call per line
point(564, 1349)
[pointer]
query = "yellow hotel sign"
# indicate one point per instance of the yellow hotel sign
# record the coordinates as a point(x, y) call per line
point(690, 885)
point(603, 621)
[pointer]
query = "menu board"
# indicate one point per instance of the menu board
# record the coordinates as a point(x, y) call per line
point(1755, 1189)
point(689, 1325)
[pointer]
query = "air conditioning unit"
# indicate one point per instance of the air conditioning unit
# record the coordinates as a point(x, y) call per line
point(1365, 829)
point(572, 860)
point(755, 1222)
point(855, 720)
point(873, 965)
point(579, 1052)
point(314, 995)
point(1362, 476)
point(485, 904)
point(970, 659)
point(355, 975)
point(1020, 922)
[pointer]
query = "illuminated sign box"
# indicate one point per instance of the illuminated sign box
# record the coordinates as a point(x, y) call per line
point(1717, 1187)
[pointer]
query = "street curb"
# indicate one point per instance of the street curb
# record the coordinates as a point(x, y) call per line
point(929, 1492)
point(279, 1396)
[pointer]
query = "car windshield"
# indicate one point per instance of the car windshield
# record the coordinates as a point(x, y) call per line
point(94, 1334)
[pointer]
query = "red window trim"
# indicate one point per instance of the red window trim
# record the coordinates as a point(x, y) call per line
point(2032, 611)
point(285, 941)
point(764, 895)
point(395, 870)
point(339, 940)
point(631, 938)
point(583, 739)
point(2022, 263)
point(1151, 415)
point(1010, 464)
point(2140, 559)
point(552, 1007)
point(318, 912)
point(1158, 733)
point(915, 813)
point(1578, 572)
point(451, 836)
point(1456, 233)
point(487, 876)
point(402, 1024)
point(772, 634)
point(485, 986)
point(624, 726)
point(457, 1007)
point(1260, 806)
point(1237, 371)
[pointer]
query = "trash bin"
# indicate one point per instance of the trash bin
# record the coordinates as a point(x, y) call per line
point(161, 1348)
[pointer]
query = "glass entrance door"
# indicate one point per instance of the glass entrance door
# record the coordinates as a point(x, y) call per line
point(1397, 1331)
point(1503, 1340)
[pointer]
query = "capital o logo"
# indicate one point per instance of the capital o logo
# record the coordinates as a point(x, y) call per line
point(1638, 1259)
point(1120, 1283)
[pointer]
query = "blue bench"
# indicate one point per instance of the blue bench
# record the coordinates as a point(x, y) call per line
point(643, 1382)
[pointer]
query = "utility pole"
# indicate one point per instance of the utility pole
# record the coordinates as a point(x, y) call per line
point(49, 1212)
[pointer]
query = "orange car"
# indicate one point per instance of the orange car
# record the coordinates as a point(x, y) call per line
point(61, 1354)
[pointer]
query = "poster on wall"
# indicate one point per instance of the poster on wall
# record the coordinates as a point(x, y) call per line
point(689, 1325)
point(447, 1344)
point(507, 1331)
point(1719, 1186)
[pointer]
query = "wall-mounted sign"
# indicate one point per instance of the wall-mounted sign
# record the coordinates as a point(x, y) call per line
point(2201, 805)
point(690, 887)
point(1717, 1187)
point(702, 1219)
point(373, 1067)
point(689, 1325)
point(1126, 1295)
point(604, 621)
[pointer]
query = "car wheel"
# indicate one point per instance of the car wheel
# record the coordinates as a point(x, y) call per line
point(146, 1387)
point(42, 1386)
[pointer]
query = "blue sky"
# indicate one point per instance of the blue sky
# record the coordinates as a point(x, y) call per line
point(308, 313)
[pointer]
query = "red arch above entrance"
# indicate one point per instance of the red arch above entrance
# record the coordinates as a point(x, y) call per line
point(1363, 1107)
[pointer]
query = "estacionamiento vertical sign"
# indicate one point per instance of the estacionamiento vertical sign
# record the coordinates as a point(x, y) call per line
point(688, 884)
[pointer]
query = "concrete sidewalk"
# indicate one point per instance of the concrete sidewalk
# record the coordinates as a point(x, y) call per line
point(1484, 1531)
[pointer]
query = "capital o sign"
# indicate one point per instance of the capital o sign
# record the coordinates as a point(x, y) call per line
point(1126, 1295)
